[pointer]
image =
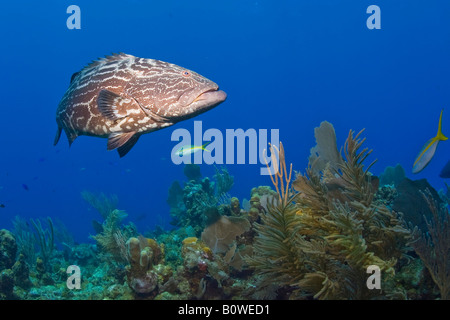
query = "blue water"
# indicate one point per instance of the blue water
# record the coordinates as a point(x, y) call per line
point(285, 65)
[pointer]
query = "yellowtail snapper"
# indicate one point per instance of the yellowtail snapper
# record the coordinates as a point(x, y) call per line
point(428, 150)
point(190, 149)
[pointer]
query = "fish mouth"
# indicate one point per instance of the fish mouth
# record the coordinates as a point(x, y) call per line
point(204, 100)
point(209, 99)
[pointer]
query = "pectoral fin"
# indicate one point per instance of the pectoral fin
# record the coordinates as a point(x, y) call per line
point(114, 107)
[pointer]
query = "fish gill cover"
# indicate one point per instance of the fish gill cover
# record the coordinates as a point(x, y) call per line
point(352, 90)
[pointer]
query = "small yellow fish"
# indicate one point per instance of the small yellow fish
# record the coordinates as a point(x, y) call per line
point(428, 150)
point(186, 150)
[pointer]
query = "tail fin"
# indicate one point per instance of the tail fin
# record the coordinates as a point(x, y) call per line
point(440, 135)
point(204, 146)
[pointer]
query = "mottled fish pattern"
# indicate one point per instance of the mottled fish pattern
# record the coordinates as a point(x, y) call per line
point(121, 97)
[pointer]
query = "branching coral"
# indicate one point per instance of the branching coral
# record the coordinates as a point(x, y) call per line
point(357, 179)
point(33, 235)
point(46, 238)
point(25, 240)
point(434, 247)
point(102, 203)
point(321, 238)
point(354, 231)
point(107, 238)
point(276, 255)
point(276, 245)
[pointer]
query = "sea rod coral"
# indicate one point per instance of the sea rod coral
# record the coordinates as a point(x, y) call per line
point(319, 237)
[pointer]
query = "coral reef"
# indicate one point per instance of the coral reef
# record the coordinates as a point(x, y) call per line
point(175, 200)
point(143, 256)
point(8, 249)
point(219, 235)
point(196, 255)
point(433, 247)
point(13, 273)
point(25, 239)
point(235, 206)
point(324, 156)
point(309, 236)
point(224, 181)
point(445, 194)
point(277, 259)
point(45, 239)
point(392, 175)
point(200, 201)
point(411, 203)
point(21, 272)
point(326, 233)
point(106, 240)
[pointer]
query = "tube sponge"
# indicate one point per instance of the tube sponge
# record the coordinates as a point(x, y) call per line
point(143, 255)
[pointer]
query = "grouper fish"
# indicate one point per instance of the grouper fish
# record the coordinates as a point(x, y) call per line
point(121, 97)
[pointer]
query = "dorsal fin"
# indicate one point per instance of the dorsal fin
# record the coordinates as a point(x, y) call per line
point(106, 59)
point(74, 76)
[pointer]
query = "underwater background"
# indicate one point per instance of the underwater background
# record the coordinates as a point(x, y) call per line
point(286, 65)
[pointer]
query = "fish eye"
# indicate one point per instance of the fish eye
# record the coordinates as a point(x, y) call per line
point(186, 74)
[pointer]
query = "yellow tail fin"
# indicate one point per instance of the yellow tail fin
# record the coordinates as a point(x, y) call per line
point(204, 146)
point(440, 135)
